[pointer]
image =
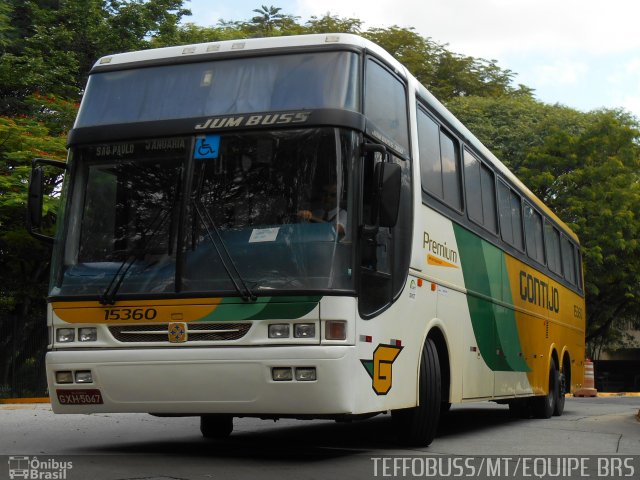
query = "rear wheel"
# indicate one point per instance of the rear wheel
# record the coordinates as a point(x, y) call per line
point(417, 426)
point(543, 407)
point(216, 426)
point(562, 390)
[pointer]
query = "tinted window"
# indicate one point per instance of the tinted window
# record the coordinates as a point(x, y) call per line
point(223, 87)
point(439, 162)
point(568, 261)
point(510, 216)
point(481, 194)
point(429, 146)
point(578, 267)
point(386, 104)
point(450, 171)
point(552, 240)
point(533, 232)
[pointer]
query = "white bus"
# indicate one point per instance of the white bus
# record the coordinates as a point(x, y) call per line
point(295, 227)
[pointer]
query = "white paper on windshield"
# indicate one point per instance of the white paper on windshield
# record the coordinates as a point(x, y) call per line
point(264, 235)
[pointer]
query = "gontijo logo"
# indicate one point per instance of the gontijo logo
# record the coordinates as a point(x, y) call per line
point(538, 292)
point(379, 369)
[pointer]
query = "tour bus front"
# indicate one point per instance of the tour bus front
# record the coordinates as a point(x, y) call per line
point(205, 259)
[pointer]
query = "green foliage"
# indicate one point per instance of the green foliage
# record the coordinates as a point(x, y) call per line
point(24, 261)
point(52, 45)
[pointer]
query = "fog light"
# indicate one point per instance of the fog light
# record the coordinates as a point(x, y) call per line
point(306, 374)
point(64, 377)
point(304, 330)
point(89, 334)
point(281, 374)
point(65, 335)
point(279, 330)
point(84, 376)
point(336, 330)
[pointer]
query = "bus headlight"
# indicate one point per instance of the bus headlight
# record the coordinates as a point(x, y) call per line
point(279, 330)
point(89, 334)
point(65, 335)
point(304, 330)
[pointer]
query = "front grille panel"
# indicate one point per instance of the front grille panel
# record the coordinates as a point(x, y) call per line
point(196, 332)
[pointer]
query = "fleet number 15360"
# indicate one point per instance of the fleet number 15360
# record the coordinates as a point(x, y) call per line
point(130, 314)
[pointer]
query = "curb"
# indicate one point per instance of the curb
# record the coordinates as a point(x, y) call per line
point(611, 394)
point(14, 401)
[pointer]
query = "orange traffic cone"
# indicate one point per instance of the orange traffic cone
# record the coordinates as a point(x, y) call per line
point(588, 387)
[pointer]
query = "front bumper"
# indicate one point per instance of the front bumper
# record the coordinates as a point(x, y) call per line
point(230, 380)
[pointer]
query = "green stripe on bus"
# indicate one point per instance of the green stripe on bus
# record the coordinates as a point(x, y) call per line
point(494, 326)
point(264, 308)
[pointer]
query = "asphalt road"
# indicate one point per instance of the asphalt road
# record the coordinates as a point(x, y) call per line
point(137, 446)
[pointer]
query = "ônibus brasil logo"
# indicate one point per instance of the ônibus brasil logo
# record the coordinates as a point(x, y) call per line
point(36, 469)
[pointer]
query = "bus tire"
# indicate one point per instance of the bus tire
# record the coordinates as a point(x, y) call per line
point(417, 426)
point(544, 406)
point(562, 390)
point(216, 426)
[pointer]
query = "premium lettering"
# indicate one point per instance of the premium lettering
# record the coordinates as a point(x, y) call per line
point(439, 249)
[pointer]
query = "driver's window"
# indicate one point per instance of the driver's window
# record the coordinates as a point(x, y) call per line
point(376, 248)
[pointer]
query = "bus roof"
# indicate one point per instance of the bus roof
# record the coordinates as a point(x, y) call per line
point(205, 51)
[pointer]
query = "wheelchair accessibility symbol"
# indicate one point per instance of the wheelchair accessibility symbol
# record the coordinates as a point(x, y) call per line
point(207, 147)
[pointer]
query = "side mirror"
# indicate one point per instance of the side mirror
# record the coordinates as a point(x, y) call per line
point(36, 196)
point(389, 179)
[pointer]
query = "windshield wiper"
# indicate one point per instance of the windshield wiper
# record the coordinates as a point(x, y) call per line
point(240, 285)
point(109, 295)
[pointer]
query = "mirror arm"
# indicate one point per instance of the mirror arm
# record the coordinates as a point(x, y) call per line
point(376, 147)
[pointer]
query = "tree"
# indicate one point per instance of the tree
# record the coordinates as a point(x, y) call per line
point(51, 46)
point(24, 261)
point(332, 24)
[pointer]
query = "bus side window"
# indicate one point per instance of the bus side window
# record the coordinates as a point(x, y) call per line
point(533, 234)
point(510, 208)
point(568, 260)
point(439, 162)
point(386, 103)
point(552, 241)
point(481, 192)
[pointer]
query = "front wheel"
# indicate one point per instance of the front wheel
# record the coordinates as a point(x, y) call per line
point(417, 426)
point(216, 426)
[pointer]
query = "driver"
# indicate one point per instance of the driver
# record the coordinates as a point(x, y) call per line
point(329, 211)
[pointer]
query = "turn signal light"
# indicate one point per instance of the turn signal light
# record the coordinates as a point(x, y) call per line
point(336, 330)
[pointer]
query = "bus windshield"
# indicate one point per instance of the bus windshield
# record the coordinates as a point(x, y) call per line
point(190, 214)
point(221, 87)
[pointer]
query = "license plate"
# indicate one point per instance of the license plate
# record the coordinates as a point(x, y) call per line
point(80, 397)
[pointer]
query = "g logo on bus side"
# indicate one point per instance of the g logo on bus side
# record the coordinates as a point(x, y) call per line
point(380, 368)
